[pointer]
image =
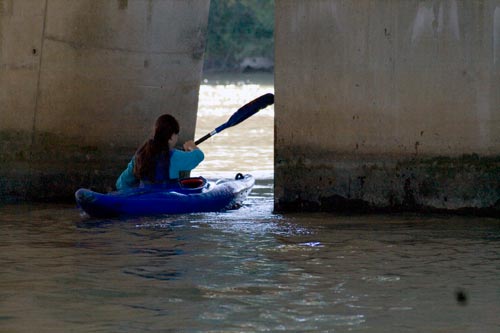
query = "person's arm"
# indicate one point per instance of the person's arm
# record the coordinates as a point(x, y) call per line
point(190, 145)
point(184, 161)
point(127, 178)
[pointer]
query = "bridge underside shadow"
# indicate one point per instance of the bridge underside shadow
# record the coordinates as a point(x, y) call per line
point(380, 105)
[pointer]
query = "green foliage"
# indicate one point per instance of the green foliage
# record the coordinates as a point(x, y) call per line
point(239, 29)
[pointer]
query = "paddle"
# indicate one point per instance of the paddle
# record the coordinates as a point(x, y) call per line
point(243, 113)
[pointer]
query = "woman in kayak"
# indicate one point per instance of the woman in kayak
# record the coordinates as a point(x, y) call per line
point(157, 161)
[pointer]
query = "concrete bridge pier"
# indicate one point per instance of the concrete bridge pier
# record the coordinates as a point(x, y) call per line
point(387, 105)
point(81, 83)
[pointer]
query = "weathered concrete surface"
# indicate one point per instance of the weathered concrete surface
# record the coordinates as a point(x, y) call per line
point(387, 105)
point(81, 83)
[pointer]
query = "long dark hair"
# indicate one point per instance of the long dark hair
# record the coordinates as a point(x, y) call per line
point(146, 156)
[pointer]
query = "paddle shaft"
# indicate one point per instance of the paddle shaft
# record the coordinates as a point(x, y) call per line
point(205, 137)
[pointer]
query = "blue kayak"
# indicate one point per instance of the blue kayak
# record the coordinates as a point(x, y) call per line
point(189, 195)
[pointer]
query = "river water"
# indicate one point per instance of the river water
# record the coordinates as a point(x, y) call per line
point(247, 270)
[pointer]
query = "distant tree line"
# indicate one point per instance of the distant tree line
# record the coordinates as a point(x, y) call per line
point(238, 29)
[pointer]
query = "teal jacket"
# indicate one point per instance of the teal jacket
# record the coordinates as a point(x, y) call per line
point(179, 161)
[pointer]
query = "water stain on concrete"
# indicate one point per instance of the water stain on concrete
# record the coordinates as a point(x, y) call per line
point(122, 4)
point(468, 183)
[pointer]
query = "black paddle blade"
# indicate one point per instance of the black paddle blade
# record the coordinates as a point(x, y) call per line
point(248, 110)
point(243, 113)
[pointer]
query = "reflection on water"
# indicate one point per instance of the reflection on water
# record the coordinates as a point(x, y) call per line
point(247, 270)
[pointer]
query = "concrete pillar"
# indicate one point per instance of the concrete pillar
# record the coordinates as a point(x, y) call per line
point(81, 83)
point(387, 105)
